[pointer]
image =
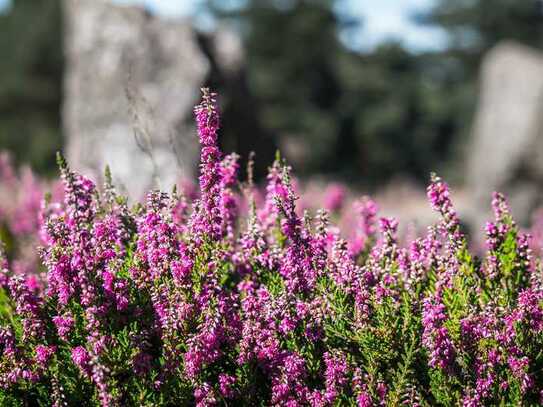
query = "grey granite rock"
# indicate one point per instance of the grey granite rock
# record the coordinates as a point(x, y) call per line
point(131, 81)
point(507, 146)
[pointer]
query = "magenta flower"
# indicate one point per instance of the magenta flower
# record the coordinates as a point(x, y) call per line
point(208, 218)
point(44, 353)
point(81, 358)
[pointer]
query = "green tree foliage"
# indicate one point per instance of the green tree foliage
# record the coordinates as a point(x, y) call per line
point(367, 116)
point(475, 26)
point(30, 81)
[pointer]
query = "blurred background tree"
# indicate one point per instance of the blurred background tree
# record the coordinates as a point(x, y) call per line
point(475, 26)
point(31, 81)
point(366, 116)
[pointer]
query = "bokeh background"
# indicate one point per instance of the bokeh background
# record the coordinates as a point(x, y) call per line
point(367, 92)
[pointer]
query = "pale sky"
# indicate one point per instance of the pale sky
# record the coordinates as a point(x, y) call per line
point(382, 19)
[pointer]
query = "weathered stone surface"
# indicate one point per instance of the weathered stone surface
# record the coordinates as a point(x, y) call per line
point(130, 83)
point(507, 150)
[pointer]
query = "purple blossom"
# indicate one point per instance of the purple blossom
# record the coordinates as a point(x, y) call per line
point(208, 220)
point(226, 383)
point(439, 196)
point(82, 359)
point(336, 378)
point(435, 336)
point(64, 325)
point(44, 353)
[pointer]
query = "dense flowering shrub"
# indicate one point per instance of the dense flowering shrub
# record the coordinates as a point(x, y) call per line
point(227, 299)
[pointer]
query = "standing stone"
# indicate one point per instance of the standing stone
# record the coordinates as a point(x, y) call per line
point(507, 150)
point(131, 81)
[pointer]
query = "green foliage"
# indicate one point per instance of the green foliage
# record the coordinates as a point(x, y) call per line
point(31, 82)
point(366, 116)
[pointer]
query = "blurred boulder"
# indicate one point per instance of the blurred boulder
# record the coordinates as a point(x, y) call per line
point(131, 82)
point(506, 154)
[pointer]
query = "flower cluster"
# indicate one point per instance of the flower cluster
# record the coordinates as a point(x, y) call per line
point(227, 297)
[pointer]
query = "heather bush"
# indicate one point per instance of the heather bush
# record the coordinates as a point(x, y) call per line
point(228, 299)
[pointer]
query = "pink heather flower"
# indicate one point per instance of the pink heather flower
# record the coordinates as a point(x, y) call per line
point(182, 268)
point(81, 358)
point(44, 353)
point(364, 400)
point(208, 217)
point(367, 210)
point(287, 382)
point(389, 231)
point(274, 188)
point(297, 267)
point(519, 367)
point(205, 396)
point(227, 200)
point(524, 252)
point(343, 268)
point(78, 192)
point(32, 283)
point(98, 373)
point(530, 308)
point(206, 346)
point(382, 391)
point(494, 235)
point(287, 325)
point(335, 375)
point(64, 325)
point(435, 336)
point(226, 383)
point(7, 342)
point(157, 240)
point(500, 207)
point(28, 305)
point(439, 196)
